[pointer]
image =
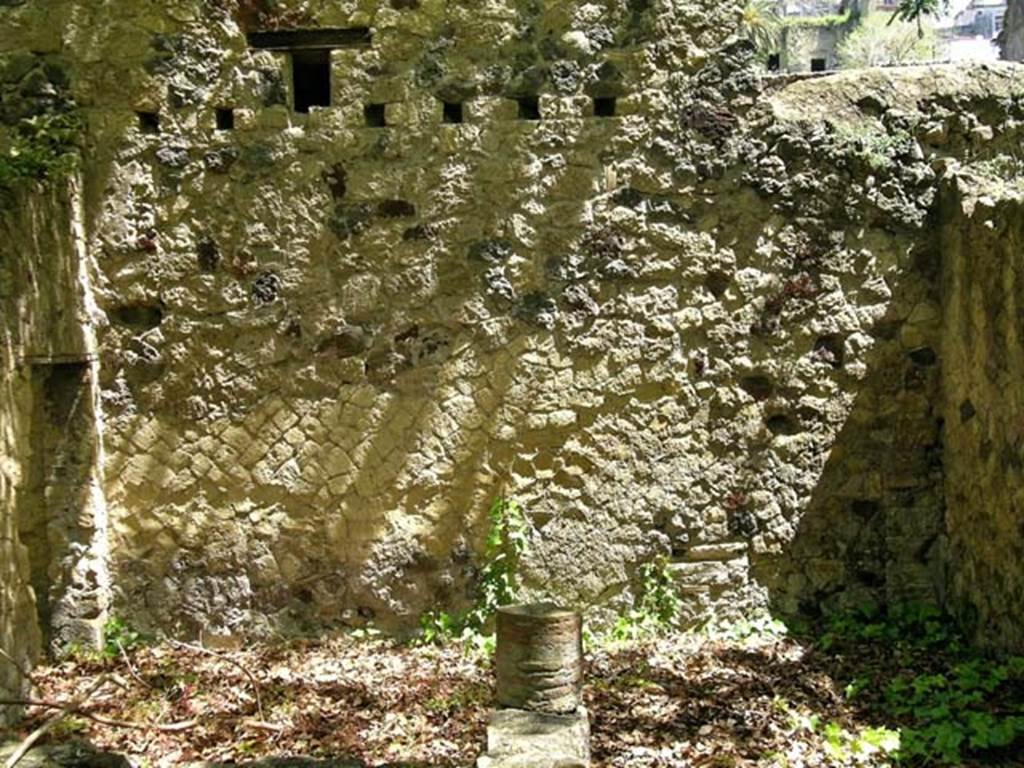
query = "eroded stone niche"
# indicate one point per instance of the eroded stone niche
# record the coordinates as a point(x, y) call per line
point(55, 511)
point(686, 313)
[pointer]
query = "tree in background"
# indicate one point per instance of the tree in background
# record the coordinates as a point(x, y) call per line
point(877, 42)
point(916, 11)
point(1011, 39)
point(762, 24)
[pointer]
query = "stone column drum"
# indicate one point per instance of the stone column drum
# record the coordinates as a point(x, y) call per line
point(540, 658)
point(541, 721)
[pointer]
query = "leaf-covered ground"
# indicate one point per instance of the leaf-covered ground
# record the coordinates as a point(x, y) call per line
point(688, 700)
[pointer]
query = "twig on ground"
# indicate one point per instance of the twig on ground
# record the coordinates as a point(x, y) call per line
point(131, 667)
point(232, 662)
point(261, 725)
point(63, 711)
point(72, 708)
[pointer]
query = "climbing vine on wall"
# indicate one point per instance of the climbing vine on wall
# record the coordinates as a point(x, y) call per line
point(42, 148)
point(497, 584)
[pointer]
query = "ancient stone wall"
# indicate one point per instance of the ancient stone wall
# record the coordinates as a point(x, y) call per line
point(53, 511)
point(19, 632)
point(578, 255)
point(26, 320)
point(982, 347)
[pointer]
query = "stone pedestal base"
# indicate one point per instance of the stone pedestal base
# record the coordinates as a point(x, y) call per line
point(520, 739)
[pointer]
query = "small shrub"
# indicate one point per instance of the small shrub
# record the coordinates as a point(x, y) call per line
point(951, 702)
point(118, 636)
point(657, 606)
point(497, 585)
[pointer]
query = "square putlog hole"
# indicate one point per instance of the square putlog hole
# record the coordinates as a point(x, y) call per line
point(605, 106)
point(225, 119)
point(452, 112)
point(529, 107)
point(149, 122)
point(376, 115)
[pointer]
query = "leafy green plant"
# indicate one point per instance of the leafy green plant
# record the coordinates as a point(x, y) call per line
point(42, 147)
point(118, 637)
point(762, 24)
point(826, 20)
point(657, 606)
point(842, 745)
point(756, 628)
point(497, 585)
point(875, 43)
point(950, 701)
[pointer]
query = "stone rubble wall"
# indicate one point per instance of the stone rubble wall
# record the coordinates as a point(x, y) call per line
point(983, 408)
point(706, 329)
point(31, 293)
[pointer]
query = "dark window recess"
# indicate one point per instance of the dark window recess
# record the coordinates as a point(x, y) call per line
point(396, 209)
point(376, 116)
point(774, 62)
point(225, 119)
point(311, 39)
point(604, 106)
point(138, 317)
point(149, 122)
point(311, 78)
point(529, 107)
point(453, 112)
point(818, 65)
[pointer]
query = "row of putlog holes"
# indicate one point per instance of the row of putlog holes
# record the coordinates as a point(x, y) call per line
point(376, 117)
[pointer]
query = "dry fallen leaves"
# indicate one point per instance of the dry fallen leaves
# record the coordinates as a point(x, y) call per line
point(681, 701)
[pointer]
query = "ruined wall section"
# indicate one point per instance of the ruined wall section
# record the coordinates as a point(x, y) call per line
point(984, 277)
point(682, 315)
point(53, 500)
point(53, 507)
point(333, 342)
point(19, 630)
point(879, 514)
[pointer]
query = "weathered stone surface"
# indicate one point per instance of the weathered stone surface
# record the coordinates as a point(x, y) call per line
point(520, 738)
point(73, 754)
point(983, 404)
point(703, 321)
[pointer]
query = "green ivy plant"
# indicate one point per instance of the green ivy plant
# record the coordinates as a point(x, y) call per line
point(657, 606)
point(945, 714)
point(41, 148)
point(497, 585)
point(119, 637)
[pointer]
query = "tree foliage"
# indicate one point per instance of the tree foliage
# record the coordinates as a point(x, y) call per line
point(762, 24)
point(876, 43)
point(916, 11)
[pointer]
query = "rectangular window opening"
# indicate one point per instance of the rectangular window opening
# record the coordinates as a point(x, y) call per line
point(149, 122)
point(453, 112)
point(311, 39)
point(605, 106)
point(311, 78)
point(818, 65)
point(529, 107)
point(376, 115)
point(225, 119)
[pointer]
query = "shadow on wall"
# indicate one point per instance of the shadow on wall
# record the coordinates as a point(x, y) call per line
point(874, 530)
